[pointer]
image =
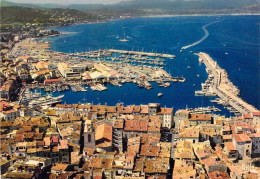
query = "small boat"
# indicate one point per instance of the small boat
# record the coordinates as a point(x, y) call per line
point(159, 94)
point(226, 53)
point(188, 67)
point(198, 75)
point(167, 84)
point(180, 51)
point(124, 39)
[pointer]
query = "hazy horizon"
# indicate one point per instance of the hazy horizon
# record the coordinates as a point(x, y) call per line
point(62, 2)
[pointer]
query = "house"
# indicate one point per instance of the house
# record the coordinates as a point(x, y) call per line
point(52, 82)
point(7, 111)
point(197, 119)
point(213, 164)
point(180, 115)
point(230, 150)
point(59, 168)
point(167, 117)
point(7, 90)
point(255, 137)
point(189, 134)
point(103, 136)
point(218, 175)
point(243, 144)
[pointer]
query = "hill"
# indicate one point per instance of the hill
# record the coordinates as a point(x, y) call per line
point(24, 17)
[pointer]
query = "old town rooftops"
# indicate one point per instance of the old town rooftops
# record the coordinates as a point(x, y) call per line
point(241, 138)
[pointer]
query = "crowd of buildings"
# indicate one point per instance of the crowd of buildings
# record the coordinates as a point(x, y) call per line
point(146, 141)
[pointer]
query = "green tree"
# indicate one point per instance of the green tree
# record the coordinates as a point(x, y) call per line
point(40, 78)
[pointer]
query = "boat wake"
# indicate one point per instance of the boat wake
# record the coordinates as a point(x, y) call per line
point(204, 28)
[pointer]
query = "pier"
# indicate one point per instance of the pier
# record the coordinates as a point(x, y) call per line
point(220, 85)
point(141, 53)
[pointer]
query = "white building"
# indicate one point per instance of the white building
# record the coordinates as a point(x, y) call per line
point(8, 112)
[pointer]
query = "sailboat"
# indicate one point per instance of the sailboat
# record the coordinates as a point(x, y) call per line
point(124, 39)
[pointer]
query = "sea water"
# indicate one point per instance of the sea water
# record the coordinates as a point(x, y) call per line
point(233, 41)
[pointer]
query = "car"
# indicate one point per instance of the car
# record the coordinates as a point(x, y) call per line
point(175, 139)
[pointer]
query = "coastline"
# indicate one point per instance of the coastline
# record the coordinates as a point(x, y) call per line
point(202, 15)
point(155, 16)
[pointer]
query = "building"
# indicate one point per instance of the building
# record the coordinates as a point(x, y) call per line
point(243, 144)
point(89, 135)
point(255, 137)
point(8, 112)
point(52, 82)
point(103, 136)
point(67, 72)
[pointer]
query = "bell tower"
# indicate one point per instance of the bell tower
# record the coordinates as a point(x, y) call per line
point(89, 135)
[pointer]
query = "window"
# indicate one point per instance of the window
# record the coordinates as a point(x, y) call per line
point(89, 137)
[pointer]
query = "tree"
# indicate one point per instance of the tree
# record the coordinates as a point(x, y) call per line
point(40, 78)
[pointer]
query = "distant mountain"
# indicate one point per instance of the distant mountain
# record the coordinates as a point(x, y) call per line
point(5, 3)
point(150, 4)
point(185, 4)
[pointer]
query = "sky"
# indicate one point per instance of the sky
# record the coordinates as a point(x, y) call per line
point(69, 1)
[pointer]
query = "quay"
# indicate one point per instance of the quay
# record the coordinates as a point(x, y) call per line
point(141, 53)
point(220, 85)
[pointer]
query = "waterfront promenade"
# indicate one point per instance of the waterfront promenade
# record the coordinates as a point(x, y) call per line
point(223, 87)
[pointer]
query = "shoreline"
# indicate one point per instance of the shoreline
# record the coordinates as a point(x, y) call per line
point(202, 15)
point(153, 16)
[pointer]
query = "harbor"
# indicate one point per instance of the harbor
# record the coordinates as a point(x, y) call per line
point(218, 84)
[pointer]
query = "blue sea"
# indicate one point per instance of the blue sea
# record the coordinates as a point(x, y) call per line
point(233, 41)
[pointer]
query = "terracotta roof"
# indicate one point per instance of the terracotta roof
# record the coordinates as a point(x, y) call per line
point(89, 151)
point(200, 117)
point(136, 109)
point(52, 80)
point(4, 104)
point(155, 137)
point(136, 125)
point(63, 144)
point(189, 133)
point(18, 175)
point(210, 161)
point(111, 109)
point(119, 124)
point(47, 141)
point(150, 150)
point(241, 138)
point(144, 109)
point(218, 175)
point(160, 165)
point(28, 135)
point(226, 137)
point(133, 144)
point(42, 72)
point(104, 131)
point(256, 113)
point(248, 116)
point(96, 163)
point(59, 167)
point(94, 108)
point(166, 111)
point(154, 124)
point(230, 146)
point(254, 135)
